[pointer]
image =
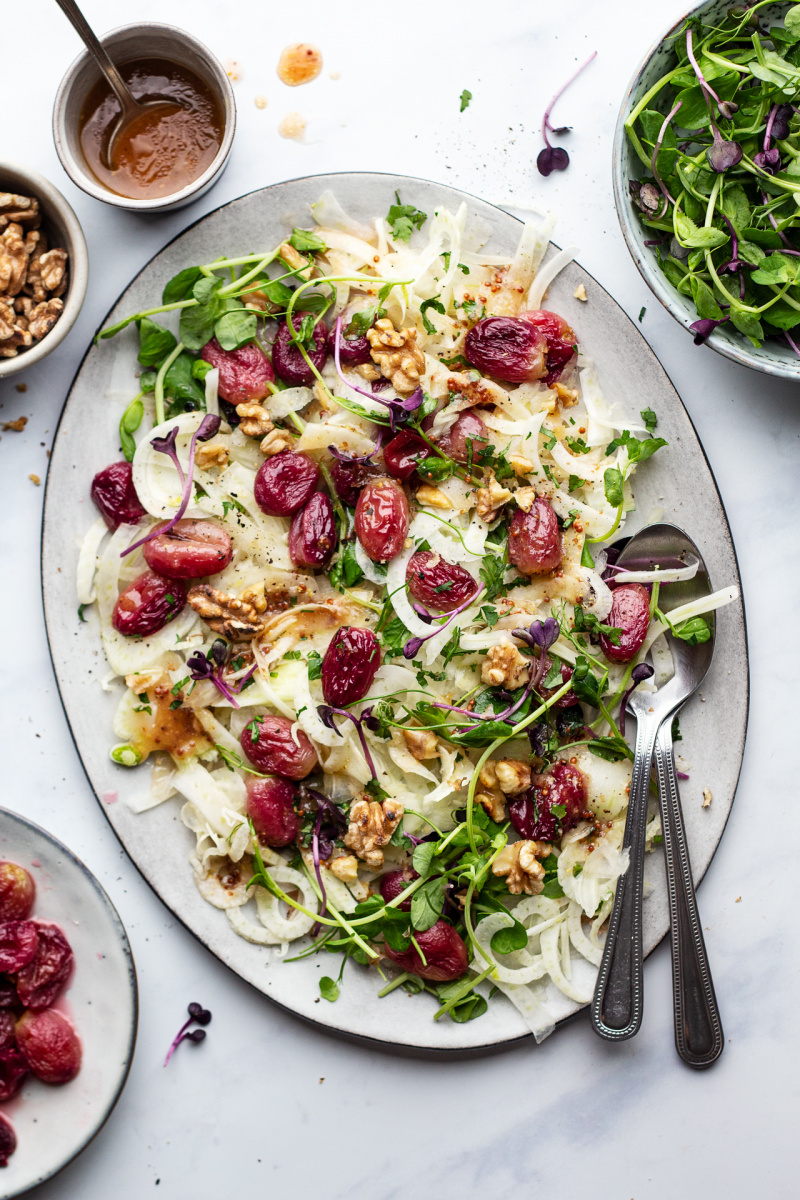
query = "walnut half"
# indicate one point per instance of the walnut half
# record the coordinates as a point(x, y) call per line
point(396, 353)
point(235, 619)
point(371, 827)
point(504, 665)
point(519, 862)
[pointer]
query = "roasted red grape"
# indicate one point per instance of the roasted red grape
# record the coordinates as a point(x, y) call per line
point(561, 341)
point(244, 374)
point(353, 351)
point(534, 540)
point(13, 1067)
point(312, 535)
point(18, 944)
point(148, 604)
point(465, 439)
point(393, 883)
point(285, 483)
point(288, 360)
point(382, 519)
point(50, 1045)
point(8, 1141)
point(114, 494)
point(189, 550)
point(507, 348)
point(350, 476)
point(270, 747)
point(270, 806)
point(445, 954)
point(438, 584)
point(531, 813)
point(349, 665)
point(17, 892)
point(630, 613)
point(42, 979)
point(403, 452)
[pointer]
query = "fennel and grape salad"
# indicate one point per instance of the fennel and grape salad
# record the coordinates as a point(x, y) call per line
point(354, 569)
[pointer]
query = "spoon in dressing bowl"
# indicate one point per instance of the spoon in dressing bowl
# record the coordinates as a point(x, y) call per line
point(133, 112)
point(617, 1006)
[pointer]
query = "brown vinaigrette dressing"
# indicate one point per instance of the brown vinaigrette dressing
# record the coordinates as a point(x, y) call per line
point(163, 150)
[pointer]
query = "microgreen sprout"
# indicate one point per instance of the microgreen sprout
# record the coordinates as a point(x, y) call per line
point(197, 1016)
point(412, 646)
point(555, 158)
point(209, 666)
point(207, 428)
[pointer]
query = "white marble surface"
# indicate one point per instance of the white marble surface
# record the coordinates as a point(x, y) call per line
point(265, 1102)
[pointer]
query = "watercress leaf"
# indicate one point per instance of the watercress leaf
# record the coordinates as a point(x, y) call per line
point(180, 286)
point(328, 989)
point(552, 889)
point(394, 637)
point(791, 20)
point(235, 328)
point(693, 631)
point(423, 857)
point(196, 325)
point(181, 385)
point(427, 904)
point(736, 207)
point(206, 287)
point(612, 749)
point(650, 419)
point(763, 237)
point(612, 484)
point(468, 1008)
point(395, 938)
point(585, 683)
point(306, 241)
point(694, 108)
point(506, 941)
point(155, 342)
point(437, 306)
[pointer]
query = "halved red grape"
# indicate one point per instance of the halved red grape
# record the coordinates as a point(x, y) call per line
point(349, 665)
point(353, 351)
point(561, 340)
point(507, 348)
point(465, 439)
point(50, 1045)
point(19, 941)
point(244, 374)
point(285, 482)
point(114, 494)
point(350, 476)
point(446, 956)
point(531, 813)
point(148, 604)
point(42, 979)
point(437, 583)
point(189, 550)
point(534, 539)
point(17, 892)
point(8, 1141)
point(630, 613)
point(403, 452)
point(312, 535)
point(394, 883)
point(13, 1069)
point(270, 747)
point(270, 806)
point(288, 360)
point(382, 519)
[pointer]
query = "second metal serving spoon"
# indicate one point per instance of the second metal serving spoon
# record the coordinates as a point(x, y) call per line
point(132, 108)
point(617, 1005)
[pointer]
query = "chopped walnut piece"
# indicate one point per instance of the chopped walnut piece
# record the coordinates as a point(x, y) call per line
point(15, 426)
point(43, 317)
point(212, 454)
point(505, 665)
point(371, 826)
point(23, 305)
point(345, 867)
point(35, 479)
point(296, 261)
point(368, 371)
point(580, 292)
point(490, 499)
point(255, 420)
point(567, 396)
point(521, 464)
point(276, 441)
point(433, 496)
point(422, 743)
point(13, 260)
point(275, 599)
point(256, 300)
point(8, 320)
point(706, 797)
point(493, 800)
point(509, 774)
point(519, 863)
point(525, 498)
point(396, 353)
point(235, 619)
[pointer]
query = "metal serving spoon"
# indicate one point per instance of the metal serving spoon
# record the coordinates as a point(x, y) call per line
point(617, 1005)
point(132, 109)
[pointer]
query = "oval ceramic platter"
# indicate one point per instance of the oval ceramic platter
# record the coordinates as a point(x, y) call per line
point(53, 1124)
point(678, 481)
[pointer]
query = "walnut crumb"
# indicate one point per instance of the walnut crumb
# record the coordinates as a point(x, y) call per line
point(422, 743)
point(15, 426)
point(491, 498)
point(345, 867)
point(212, 454)
point(706, 797)
point(35, 479)
point(493, 800)
point(433, 496)
point(580, 292)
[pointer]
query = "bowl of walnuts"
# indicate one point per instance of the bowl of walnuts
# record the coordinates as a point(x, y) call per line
point(44, 268)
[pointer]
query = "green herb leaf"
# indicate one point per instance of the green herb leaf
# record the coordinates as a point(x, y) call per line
point(427, 904)
point(693, 631)
point(314, 665)
point(437, 306)
point(306, 241)
point(514, 937)
point(180, 286)
point(403, 219)
point(465, 99)
point(423, 857)
point(612, 483)
point(650, 419)
point(328, 989)
point(130, 421)
point(155, 342)
point(234, 329)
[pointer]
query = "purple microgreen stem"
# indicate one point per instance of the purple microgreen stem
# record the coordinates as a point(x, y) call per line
point(726, 108)
point(326, 712)
point(638, 675)
point(413, 644)
point(667, 198)
point(400, 410)
point(555, 158)
point(167, 445)
point(198, 1015)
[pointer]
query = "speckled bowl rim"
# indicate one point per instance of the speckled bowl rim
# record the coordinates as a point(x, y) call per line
point(51, 200)
point(736, 348)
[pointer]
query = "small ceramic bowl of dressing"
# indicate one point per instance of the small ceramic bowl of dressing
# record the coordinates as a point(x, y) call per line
point(163, 162)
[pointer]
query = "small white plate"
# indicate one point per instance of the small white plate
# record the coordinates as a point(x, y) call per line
point(53, 1124)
